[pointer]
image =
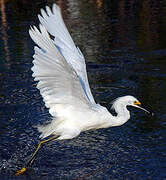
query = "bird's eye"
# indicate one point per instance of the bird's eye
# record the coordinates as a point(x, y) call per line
point(137, 103)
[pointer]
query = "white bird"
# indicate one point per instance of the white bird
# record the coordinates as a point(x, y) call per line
point(60, 69)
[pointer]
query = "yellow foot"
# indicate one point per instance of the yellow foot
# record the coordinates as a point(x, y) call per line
point(21, 171)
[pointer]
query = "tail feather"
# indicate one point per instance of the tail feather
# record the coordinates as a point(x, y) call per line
point(49, 129)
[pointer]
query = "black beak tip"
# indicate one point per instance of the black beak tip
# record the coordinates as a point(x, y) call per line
point(152, 114)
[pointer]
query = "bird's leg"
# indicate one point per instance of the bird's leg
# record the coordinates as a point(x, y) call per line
point(30, 162)
point(38, 148)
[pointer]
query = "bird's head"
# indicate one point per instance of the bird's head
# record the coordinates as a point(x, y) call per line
point(127, 101)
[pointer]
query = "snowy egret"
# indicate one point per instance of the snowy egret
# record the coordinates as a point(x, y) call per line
point(60, 69)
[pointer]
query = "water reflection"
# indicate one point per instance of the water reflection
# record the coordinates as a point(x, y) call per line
point(124, 45)
point(4, 26)
point(149, 36)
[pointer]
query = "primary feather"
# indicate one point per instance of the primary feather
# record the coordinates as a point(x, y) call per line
point(52, 20)
point(55, 76)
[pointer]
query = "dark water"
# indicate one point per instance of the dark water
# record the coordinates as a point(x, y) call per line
point(124, 43)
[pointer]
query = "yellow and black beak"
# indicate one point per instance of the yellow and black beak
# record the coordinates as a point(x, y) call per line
point(137, 104)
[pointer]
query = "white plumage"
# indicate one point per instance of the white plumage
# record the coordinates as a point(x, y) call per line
point(59, 67)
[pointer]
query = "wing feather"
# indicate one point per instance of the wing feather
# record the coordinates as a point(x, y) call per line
point(53, 22)
point(58, 82)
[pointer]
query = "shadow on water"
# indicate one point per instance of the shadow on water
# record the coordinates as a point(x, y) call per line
point(124, 44)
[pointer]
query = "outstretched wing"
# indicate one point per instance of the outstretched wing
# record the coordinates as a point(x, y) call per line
point(58, 81)
point(53, 22)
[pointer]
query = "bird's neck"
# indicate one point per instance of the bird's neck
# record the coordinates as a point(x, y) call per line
point(122, 116)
